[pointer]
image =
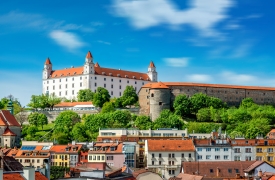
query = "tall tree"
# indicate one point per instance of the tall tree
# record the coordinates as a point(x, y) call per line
point(79, 132)
point(101, 96)
point(108, 107)
point(33, 119)
point(198, 101)
point(129, 96)
point(42, 120)
point(53, 100)
point(182, 105)
point(85, 95)
point(168, 120)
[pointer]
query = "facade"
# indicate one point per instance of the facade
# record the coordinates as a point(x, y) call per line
point(154, 97)
point(65, 155)
point(244, 149)
point(213, 150)
point(165, 156)
point(265, 149)
point(67, 82)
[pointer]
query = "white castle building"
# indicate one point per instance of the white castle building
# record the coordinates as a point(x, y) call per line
point(67, 82)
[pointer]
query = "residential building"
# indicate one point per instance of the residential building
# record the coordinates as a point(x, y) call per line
point(213, 149)
point(165, 156)
point(76, 106)
point(109, 153)
point(265, 150)
point(243, 149)
point(25, 174)
point(67, 82)
point(271, 134)
point(156, 96)
point(65, 155)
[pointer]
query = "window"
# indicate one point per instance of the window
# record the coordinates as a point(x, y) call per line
point(237, 170)
point(72, 92)
point(112, 80)
point(104, 79)
point(159, 155)
point(80, 78)
point(171, 172)
point(81, 84)
point(153, 155)
point(152, 95)
point(217, 157)
point(142, 83)
point(208, 149)
point(182, 155)
point(160, 103)
point(225, 149)
point(259, 158)
point(229, 170)
point(211, 171)
point(53, 87)
point(217, 149)
point(105, 85)
point(135, 82)
point(225, 157)
point(159, 162)
point(248, 158)
point(153, 162)
point(102, 158)
point(119, 93)
point(208, 156)
point(98, 158)
point(38, 161)
point(120, 80)
point(59, 93)
point(269, 150)
point(237, 158)
point(91, 157)
point(259, 150)
point(199, 149)
point(112, 93)
point(66, 93)
point(94, 157)
point(190, 155)
point(119, 86)
point(199, 156)
point(73, 85)
point(95, 84)
point(269, 158)
point(47, 82)
point(237, 150)
point(53, 81)
point(112, 86)
point(95, 78)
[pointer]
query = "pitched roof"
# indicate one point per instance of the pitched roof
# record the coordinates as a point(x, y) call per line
point(209, 169)
point(62, 148)
point(159, 85)
point(8, 132)
point(10, 164)
point(97, 65)
point(244, 142)
point(13, 176)
point(106, 148)
point(170, 145)
point(183, 176)
point(152, 64)
point(40, 176)
point(6, 118)
point(170, 84)
point(256, 164)
point(89, 55)
point(67, 72)
point(12, 152)
point(48, 61)
point(72, 104)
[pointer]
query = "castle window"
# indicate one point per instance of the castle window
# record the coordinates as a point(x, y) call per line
point(135, 82)
point(160, 103)
point(59, 80)
point(247, 92)
point(105, 85)
point(112, 80)
point(111, 92)
point(104, 79)
point(224, 91)
point(236, 92)
point(81, 84)
point(152, 95)
point(112, 86)
point(264, 93)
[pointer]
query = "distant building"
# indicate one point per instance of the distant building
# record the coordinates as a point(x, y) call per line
point(67, 82)
point(76, 106)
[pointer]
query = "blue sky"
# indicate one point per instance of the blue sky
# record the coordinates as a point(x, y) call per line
point(217, 41)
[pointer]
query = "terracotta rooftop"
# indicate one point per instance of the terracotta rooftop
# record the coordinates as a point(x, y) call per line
point(262, 142)
point(253, 166)
point(62, 148)
point(8, 132)
point(72, 104)
point(183, 176)
point(48, 61)
point(170, 84)
point(97, 65)
point(244, 142)
point(152, 64)
point(89, 55)
point(39, 176)
point(6, 118)
point(106, 148)
point(170, 145)
point(13, 176)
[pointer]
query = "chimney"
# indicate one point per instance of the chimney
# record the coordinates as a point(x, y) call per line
point(260, 173)
point(1, 173)
point(218, 172)
point(29, 173)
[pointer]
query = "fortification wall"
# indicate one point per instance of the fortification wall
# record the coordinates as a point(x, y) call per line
point(144, 101)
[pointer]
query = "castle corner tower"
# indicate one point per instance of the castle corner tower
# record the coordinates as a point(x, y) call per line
point(89, 64)
point(47, 69)
point(152, 73)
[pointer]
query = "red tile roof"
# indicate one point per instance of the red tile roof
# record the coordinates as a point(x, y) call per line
point(169, 84)
point(170, 145)
point(89, 55)
point(72, 104)
point(48, 61)
point(8, 132)
point(107, 148)
point(67, 72)
point(159, 85)
point(253, 166)
point(152, 64)
point(244, 142)
point(97, 65)
point(6, 118)
point(62, 148)
point(183, 176)
point(13, 176)
point(39, 176)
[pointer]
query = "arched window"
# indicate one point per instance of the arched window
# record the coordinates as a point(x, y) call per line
point(152, 95)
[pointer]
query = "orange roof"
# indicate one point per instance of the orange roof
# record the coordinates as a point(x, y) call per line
point(243, 142)
point(40, 176)
point(107, 150)
point(13, 152)
point(89, 55)
point(272, 130)
point(13, 176)
point(170, 145)
point(62, 148)
point(48, 61)
point(272, 178)
point(6, 118)
point(159, 85)
point(97, 65)
point(72, 104)
point(169, 84)
point(67, 72)
point(152, 64)
point(8, 132)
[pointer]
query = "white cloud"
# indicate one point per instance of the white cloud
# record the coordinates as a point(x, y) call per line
point(201, 14)
point(104, 42)
point(177, 62)
point(234, 78)
point(66, 39)
point(241, 50)
point(199, 78)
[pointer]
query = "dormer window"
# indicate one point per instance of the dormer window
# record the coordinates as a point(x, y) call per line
point(113, 148)
point(140, 78)
point(134, 77)
point(103, 73)
point(74, 72)
point(126, 76)
point(118, 75)
point(110, 74)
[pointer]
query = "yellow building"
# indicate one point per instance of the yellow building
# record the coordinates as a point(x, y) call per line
point(65, 155)
point(265, 150)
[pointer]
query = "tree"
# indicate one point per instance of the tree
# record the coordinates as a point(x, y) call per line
point(53, 100)
point(198, 101)
point(85, 95)
point(247, 103)
point(64, 123)
point(101, 96)
point(143, 122)
point(216, 103)
point(32, 130)
point(120, 119)
point(168, 120)
point(22, 116)
point(118, 102)
point(203, 115)
point(42, 120)
point(108, 107)
point(33, 119)
point(129, 96)
point(182, 105)
point(257, 127)
point(79, 132)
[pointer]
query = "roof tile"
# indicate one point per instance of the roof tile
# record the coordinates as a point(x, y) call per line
point(89, 55)
point(48, 61)
point(170, 145)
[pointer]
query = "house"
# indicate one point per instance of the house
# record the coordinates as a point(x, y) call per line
point(257, 168)
point(77, 106)
point(213, 149)
point(25, 174)
point(165, 156)
point(244, 149)
point(183, 176)
point(65, 155)
point(265, 150)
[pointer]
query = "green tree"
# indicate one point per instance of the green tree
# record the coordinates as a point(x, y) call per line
point(121, 119)
point(198, 127)
point(79, 132)
point(168, 120)
point(108, 107)
point(257, 127)
point(118, 102)
point(101, 96)
point(64, 123)
point(216, 103)
point(42, 120)
point(143, 122)
point(1, 105)
point(247, 103)
point(129, 96)
point(199, 101)
point(33, 119)
point(204, 115)
point(182, 105)
point(53, 100)
point(85, 95)
point(32, 130)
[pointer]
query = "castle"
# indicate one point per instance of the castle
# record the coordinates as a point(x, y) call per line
point(67, 82)
point(154, 97)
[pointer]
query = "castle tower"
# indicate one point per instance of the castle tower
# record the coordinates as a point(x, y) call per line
point(160, 99)
point(89, 64)
point(47, 69)
point(152, 73)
